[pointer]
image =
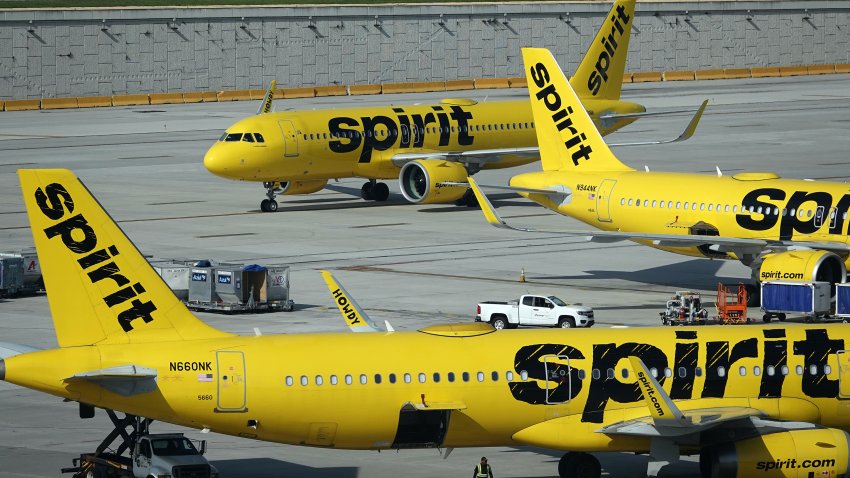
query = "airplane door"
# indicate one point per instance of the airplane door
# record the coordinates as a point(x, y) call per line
point(231, 381)
point(843, 374)
point(603, 200)
point(819, 214)
point(290, 138)
point(558, 385)
point(405, 134)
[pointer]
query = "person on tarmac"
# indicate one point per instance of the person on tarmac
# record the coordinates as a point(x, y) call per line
point(483, 470)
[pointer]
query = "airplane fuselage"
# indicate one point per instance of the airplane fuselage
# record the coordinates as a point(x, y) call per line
point(361, 142)
point(746, 205)
point(548, 388)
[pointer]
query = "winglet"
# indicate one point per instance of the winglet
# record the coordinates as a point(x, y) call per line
point(354, 317)
point(486, 206)
point(266, 105)
point(661, 406)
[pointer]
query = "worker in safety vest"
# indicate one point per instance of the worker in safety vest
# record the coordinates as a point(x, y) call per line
point(482, 470)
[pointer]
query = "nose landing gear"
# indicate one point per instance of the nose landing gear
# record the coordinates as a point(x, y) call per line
point(269, 205)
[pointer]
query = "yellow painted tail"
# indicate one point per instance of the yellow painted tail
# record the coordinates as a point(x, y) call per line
point(100, 287)
point(566, 135)
point(600, 73)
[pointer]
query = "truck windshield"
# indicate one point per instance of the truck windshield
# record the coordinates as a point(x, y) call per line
point(173, 447)
point(557, 301)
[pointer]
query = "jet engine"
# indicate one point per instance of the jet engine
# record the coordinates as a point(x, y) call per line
point(419, 181)
point(291, 188)
point(803, 265)
point(796, 453)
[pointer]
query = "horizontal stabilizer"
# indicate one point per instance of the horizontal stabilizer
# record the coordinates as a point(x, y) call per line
point(689, 131)
point(8, 349)
point(126, 380)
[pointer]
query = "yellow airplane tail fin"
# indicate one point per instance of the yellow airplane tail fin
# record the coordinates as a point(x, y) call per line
point(99, 286)
point(567, 138)
point(600, 73)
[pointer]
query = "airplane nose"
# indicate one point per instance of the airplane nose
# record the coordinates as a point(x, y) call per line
point(215, 161)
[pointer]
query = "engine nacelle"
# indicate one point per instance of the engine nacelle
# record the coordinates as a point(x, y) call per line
point(797, 453)
point(803, 265)
point(291, 188)
point(419, 181)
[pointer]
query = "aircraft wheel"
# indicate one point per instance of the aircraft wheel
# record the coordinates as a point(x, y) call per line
point(366, 191)
point(272, 206)
point(579, 465)
point(566, 467)
point(381, 192)
point(264, 205)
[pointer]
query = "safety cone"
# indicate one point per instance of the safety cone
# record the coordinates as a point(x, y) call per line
point(522, 275)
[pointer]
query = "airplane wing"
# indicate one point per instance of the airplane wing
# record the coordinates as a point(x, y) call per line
point(354, 316)
point(486, 156)
point(737, 245)
point(126, 380)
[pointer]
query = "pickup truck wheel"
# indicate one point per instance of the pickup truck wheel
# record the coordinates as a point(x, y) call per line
point(566, 322)
point(499, 323)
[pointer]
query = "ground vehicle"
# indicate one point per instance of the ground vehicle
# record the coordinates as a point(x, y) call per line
point(534, 310)
point(685, 308)
point(810, 299)
point(163, 454)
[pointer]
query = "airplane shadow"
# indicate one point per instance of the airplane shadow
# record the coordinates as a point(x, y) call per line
point(271, 468)
point(696, 273)
point(621, 465)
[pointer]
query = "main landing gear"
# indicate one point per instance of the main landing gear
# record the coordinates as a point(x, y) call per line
point(269, 205)
point(468, 199)
point(579, 465)
point(375, 191)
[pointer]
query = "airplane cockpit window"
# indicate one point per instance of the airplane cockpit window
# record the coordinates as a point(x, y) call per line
point(230, 137)
point(259, 138)
point(248, 138)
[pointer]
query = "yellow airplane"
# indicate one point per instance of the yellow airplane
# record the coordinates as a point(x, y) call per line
point(769, 401)
point(781, 228)
point(423, 145)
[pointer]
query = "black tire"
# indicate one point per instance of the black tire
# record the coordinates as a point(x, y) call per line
point(567, 466)
point(781, 317)
point(566, 322)
point(272, 207)
point(366, 191)
point(766, 318)
point(264, 205)
point(381, 192)
point(499, 323)
point(753, 295)
point(470, 199)
point(587, 466)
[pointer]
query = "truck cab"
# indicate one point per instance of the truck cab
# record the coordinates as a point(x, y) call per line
point(170, 454)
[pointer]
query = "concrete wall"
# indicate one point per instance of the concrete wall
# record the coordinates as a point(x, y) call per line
point(58, 53)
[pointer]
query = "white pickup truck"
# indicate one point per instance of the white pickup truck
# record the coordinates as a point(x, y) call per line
point(534, 310)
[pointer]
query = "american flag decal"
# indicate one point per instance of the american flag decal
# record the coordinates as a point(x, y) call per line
point(591, 196)
point(205, 377)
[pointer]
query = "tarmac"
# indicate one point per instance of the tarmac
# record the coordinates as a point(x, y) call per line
point(412, 265)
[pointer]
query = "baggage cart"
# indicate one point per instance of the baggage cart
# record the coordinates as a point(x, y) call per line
point(809, 299)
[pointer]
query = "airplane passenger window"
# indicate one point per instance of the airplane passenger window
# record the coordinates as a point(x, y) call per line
point(669, 204)
point(809, 213)
point(827, 369)
point(260, 138)
point(637, 202)
point(596, 374)
point(624, 372)
point(701, 206)
point(758, 211)
point(421, 377)
point(844, 216)
point(450, 376)
point(377, 378)
point(509, 376)
point(721, 371)
point(694, 206)
point(364, 379)
point(392, 378)
point(678, 204)
point(726, 208)
point(710, 206)
point(653, 203)
point(735, 208)
point(770, 370)
point(324, 135)
point(480, 376)
point(622, 201)
point(698, 371)
point(334, 380)
point(668, 372)
point(785, 370)
point(319, 380)
point(610, 373)
point(630, 202)
point(654, 372)
point(348, 380)
point(813, 369)
point(407, 378)
point(661, 204)
point(532, 124)
point(581, 375)
point(718, 208)
point(289, 381)
point(683, 372)
point(756, 370)
point(799, 370)
point(742, 371)
point(523, 375)
point(495, 376)
point(233, 137)
point(465, 376)
point(792, 212)
point(776, 211)
point(646, 203)
point(304, 380)
point(305, 137)
point(685, 206)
